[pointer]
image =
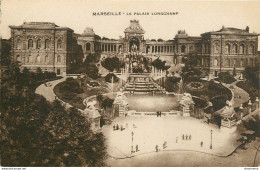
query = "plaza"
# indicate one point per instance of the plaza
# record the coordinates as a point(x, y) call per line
point(150, 131)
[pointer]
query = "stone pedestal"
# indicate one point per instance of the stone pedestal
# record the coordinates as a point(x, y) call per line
point(186, 105)
point(93, 115)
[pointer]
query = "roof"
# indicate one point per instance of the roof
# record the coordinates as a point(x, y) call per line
point(134, 27)
point(39, 25)
point(230, 30)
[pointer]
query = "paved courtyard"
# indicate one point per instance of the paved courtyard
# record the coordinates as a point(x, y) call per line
point(151, 131)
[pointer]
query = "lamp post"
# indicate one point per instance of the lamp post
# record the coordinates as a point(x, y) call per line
point(211, 139)
point(132, 150)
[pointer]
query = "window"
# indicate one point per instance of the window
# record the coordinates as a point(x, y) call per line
point(183, 48)
point(216, 48)
point(18, 44)
point(46, 59)
point(241, 63)
point(18, 58)
point(215, 62)
point(88, 47)
point(59, 44)
point(227, 49)
point(235, 48)
point(30, 43)
point(242, 49)
point(38, 59)
point(228, 62)
point(28, 58)
point(251, 49)
point(47, 44)
point(38, 44)
point(59, 59)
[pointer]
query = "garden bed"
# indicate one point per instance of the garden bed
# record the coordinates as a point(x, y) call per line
point(75, 91)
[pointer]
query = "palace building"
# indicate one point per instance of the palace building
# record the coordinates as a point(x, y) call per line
point(54, 48)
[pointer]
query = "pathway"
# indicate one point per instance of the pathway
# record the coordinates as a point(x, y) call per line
point(48, 92)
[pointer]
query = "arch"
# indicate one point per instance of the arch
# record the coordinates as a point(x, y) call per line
point(216, 47)
point(59, 59)
point(59, 44)
point(88, 46)
point(30, 43)
point(235, 48)
point(47, 44)
point(18, 57)
point(227, 62)
point(183, 48)
point(38, 44)
point(134, 44)
point(46, 59)
point(18, 44)
point(38, 59)
point(227, 48)
point(241, 49)
point(242, 63)
point(251, 49)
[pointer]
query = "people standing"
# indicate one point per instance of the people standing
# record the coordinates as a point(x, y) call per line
point(136, 148)
point(156, 148)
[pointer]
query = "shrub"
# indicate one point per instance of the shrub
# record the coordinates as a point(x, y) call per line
point(218, 102)
point(69, 96)
point(225, 77)
point(109, 76)
point(71, 85)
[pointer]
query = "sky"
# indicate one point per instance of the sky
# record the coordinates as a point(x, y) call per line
point(195, 17)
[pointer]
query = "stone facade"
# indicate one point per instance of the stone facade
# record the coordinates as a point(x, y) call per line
point(219, 51)
point(43, 45)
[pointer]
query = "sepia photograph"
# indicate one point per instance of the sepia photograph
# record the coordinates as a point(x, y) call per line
point(129, 83)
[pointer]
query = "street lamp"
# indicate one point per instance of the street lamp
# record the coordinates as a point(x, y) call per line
point(132, 151)
point(211, 139)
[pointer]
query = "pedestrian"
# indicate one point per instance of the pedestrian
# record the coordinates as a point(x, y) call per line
point(164, 145)
point(156, 148)
point(183, 137)
point(160, 114)
point(121, 128)
point(157, 113)
point(201, 144)
point(114, 127)
point(186, 137)
point(117, 127)
point(176, 139)
point(190, 137)
point(136, 148)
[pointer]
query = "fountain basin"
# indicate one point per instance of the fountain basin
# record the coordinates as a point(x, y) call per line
point(150, 103)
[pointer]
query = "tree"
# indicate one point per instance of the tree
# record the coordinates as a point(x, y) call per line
point(252, 75)
point(35, 132)
point(159, 64)
point(191, 70)
point(107, 102)
point(112, 64)
point(92, 71)
point(99, 98)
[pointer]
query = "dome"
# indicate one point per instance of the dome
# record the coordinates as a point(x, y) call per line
point(88, 32)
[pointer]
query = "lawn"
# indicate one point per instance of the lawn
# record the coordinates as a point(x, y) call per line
point(74, 92)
